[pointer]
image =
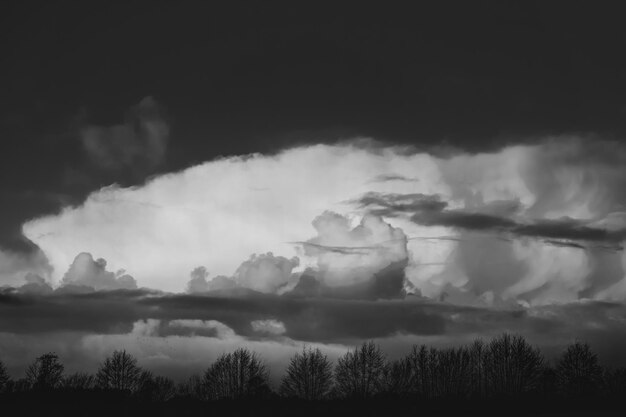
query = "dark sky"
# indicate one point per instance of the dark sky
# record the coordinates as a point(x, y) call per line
point(253, 77)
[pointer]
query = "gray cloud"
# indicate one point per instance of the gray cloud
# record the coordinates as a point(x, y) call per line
point(139, 144)
point(14, 266)
point(304, 319)
point(429, 210)
point(313, 320)
point(393, 177)
point(35, 285)
point(198, 283)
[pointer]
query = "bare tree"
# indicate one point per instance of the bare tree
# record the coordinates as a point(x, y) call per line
point(399, 378)
point(512, 366)
point(155, 388)
point(194, 387)
point(309, 376)
point(578, 372)
point(119, 372)
point(477, 377)
point(236, 375)
point(615, 382)
point(4, 377)
point(452, 369)
point(79, 381)
point(360, 373)
point(438, 373)
point(17, 386)
point(419, 362)
point(45, 373)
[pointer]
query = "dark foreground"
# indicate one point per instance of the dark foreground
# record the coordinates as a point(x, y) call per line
point(112, 404)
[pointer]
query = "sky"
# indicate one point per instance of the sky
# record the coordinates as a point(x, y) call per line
point(181, 180)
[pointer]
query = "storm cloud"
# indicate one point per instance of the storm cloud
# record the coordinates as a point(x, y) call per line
point(544, 207)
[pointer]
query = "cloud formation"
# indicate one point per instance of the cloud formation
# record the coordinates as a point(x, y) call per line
point(92, 275)
point(549, 210)
point(265, 273)
point(349, 257)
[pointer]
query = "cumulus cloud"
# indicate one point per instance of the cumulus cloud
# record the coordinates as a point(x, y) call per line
point(199, 282)
point(92, 275)
point(138, 144)
point(266, 272)
point(347, 256)
point(208, 215)
point(371, 242)
point(542, 207)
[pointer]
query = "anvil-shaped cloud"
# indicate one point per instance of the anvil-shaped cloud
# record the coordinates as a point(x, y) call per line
point(534, 223)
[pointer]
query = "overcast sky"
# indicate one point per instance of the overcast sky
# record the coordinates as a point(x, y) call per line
point(182, 179)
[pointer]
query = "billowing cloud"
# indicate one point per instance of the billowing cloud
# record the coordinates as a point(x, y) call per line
point(266, 272)
point(92, 274)
point(548, 210)
point(349, 256)
point(218, 213)
point(199, 282)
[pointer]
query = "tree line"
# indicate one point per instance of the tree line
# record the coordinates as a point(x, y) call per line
point(507, 367)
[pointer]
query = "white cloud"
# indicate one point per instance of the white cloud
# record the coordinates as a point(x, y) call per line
point(220, 212)
point(347, 255)
point(265, 272)
point(85, 271)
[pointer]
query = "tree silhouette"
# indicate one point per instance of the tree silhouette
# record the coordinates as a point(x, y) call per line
point(578, 372)
point(79, 381)
point(309, 376)
point(399, 378)
point(512, 366)
point(194, 388)
point(119, 372)
point(4, 377)
point(45, 373)
point(155, 388)
point(477, 378)
point(360, 373)
point(434, 373)
point(236, 375)
point(419, 364)
point(615, 382)
point(452, 370)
